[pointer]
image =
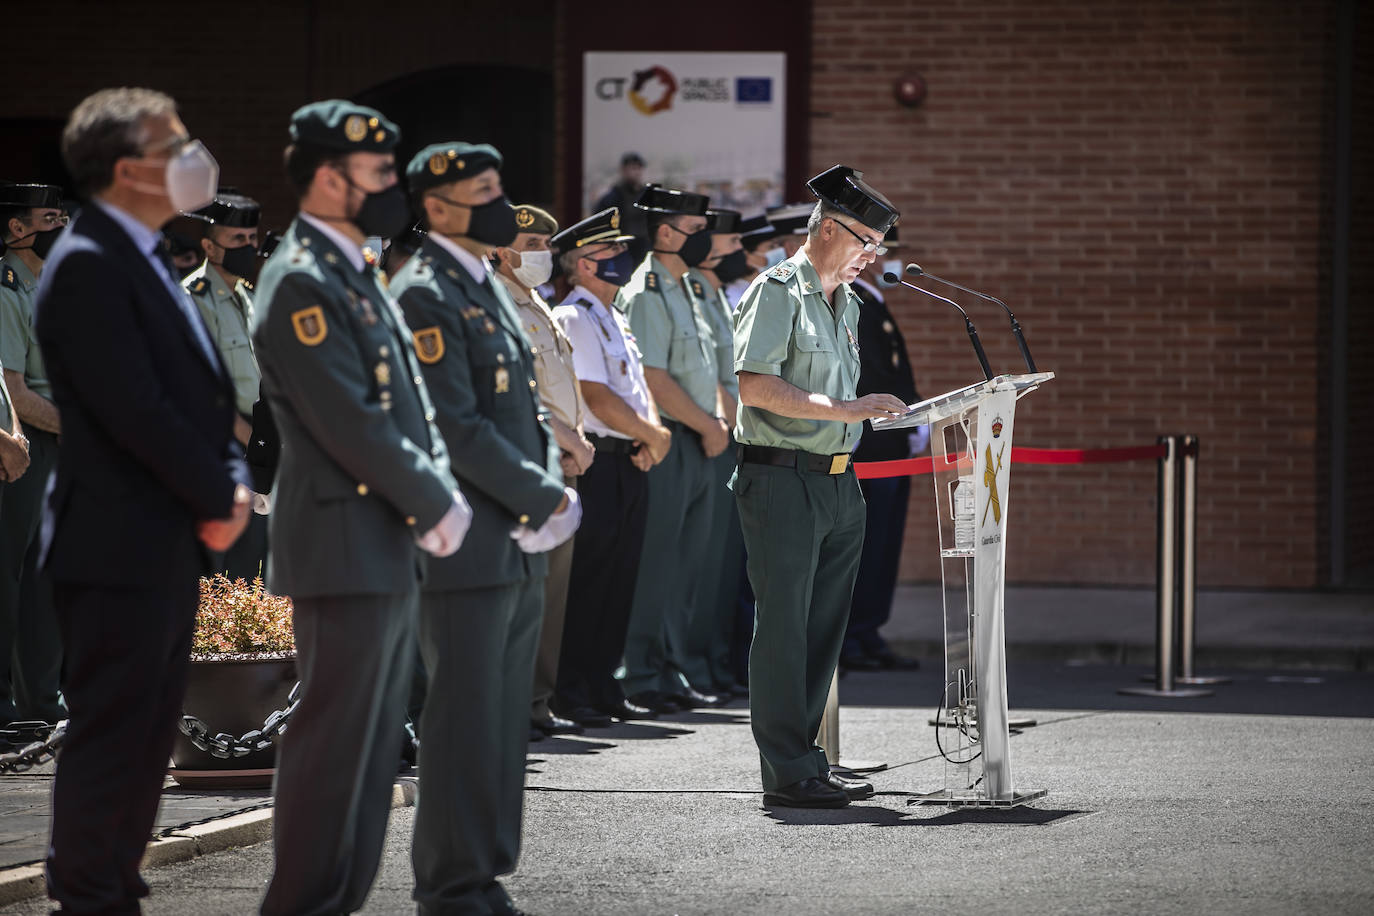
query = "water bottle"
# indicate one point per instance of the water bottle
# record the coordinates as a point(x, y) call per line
point(963, 514)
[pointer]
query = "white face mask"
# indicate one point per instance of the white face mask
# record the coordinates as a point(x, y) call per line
point(192, 177)
point(890, 266)
point(535, 268)
point(776, 256)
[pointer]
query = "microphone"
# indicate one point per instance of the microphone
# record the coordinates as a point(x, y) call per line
point(916, 271)
point(890, 277)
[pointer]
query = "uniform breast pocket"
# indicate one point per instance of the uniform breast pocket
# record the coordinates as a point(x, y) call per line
point(495, 374)
point(817, 354)
point(684, 351)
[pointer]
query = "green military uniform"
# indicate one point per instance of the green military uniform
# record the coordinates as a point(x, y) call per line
point(800, 505)
point(30, 643)
point(803, 529)
point(481, 608)
point(672, 335)
point(713, 615)
point(363, 471)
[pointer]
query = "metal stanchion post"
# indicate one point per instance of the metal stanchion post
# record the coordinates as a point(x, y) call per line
point(1187, 548)
point(1166, 582)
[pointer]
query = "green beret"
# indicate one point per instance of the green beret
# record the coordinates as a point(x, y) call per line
point(339, 124)
point(529, 218)
point(445, 163)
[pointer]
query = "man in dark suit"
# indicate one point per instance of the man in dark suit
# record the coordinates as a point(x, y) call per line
point(149, 479)
point(883, 366)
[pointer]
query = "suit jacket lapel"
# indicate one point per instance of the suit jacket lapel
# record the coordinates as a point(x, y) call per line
point(144, 273)
point(488, 296)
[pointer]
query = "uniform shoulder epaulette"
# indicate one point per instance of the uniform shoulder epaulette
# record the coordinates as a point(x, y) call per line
point(585, 303)
point(247, 284)
point(697, 290)
point(199, 287)
point(783, 272)
point(8, 278)
point(651, 280)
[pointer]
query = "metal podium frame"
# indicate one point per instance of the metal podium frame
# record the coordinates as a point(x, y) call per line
point(970, 444)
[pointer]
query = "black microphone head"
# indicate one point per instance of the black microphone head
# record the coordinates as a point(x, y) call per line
point(914, 269)
point(890, 277)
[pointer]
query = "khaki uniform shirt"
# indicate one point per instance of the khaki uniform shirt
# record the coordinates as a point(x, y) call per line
point(784, 327)
point(670, 332)
point(228, 314)
point(553, 355)
point(712, 305)
point(18, 339)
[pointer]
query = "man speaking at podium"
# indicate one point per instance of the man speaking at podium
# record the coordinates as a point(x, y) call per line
point(799, 502)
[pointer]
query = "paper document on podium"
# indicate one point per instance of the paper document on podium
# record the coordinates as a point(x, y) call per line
point(952, 402)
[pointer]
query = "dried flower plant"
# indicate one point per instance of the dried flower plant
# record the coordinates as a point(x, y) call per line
point(241, 620)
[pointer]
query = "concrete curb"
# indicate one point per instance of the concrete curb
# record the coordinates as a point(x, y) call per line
point(1354, 658)
point(23, 882)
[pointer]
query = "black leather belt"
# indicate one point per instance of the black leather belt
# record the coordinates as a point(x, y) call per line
point(613, 444)
point(794, 458)
point(677, 428)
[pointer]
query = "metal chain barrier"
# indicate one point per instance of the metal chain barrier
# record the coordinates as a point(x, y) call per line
point(37, 752)
point(223, 746)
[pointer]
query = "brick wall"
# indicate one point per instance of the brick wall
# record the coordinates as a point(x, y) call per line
point(1145, 185)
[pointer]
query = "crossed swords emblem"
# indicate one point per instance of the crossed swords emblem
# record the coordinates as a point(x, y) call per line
point(990, 481)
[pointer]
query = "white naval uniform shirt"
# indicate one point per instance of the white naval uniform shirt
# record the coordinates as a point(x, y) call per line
point(604, 351)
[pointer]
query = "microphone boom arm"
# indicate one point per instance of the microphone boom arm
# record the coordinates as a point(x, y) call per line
point(917, 271)
point(968, 322)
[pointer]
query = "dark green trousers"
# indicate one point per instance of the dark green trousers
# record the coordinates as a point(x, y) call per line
point(675, 541)
point(804, 533)
point(478, 647)
point(337, 759)
point(30, 643)
point(706, 662)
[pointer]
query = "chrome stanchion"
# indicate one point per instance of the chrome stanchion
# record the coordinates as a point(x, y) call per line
point(1187, 599)
point(1166, 571)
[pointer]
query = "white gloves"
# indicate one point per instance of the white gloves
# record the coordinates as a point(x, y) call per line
point(918, 439)
point(445, 538)
point(262, 503)
point(559, 527)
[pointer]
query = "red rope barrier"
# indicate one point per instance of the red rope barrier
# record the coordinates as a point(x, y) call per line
point(909, 467)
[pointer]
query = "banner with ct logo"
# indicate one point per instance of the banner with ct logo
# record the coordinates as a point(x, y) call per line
point(712, 123)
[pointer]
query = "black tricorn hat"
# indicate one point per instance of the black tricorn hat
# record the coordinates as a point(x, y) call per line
point(844, 189)
point(30, 195)
point(722, 221)
point(658, 199)
point(230, 208)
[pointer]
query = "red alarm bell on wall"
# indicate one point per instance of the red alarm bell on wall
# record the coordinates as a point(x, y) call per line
point(909, 89)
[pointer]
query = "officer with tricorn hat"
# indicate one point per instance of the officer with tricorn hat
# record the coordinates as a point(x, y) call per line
point(799, 502)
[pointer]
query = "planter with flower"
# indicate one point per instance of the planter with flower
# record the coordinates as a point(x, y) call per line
point(243, 668)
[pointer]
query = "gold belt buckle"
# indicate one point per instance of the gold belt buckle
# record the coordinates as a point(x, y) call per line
point(838, 463)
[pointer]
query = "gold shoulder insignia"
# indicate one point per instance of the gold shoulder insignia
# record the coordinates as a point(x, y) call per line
point(8, 279)
point(310, 325)
point(429, 345)
point(651, 280)
point(697, 290)
point(247, 284)
point(199, 287)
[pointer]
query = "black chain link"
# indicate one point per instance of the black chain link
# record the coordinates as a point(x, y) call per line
point(223, 746)
point(47, 740)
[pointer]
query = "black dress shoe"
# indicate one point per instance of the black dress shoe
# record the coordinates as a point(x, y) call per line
point(691, 698)
point(810, 792)
point(886, 658)
point(588, 717)
point(854, 788)
point(626, 711)
point(656, 702)
point(556, 725)
point(860, 662)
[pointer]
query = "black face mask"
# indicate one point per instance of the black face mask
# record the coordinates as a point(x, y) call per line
point(240, 261)
point(492, 223)
point(732, 267)
point(382, 213)
point(695, 247)
point(42, 243)
point(616, 270)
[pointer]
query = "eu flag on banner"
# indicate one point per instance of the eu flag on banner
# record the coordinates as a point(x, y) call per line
point(753, 89)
